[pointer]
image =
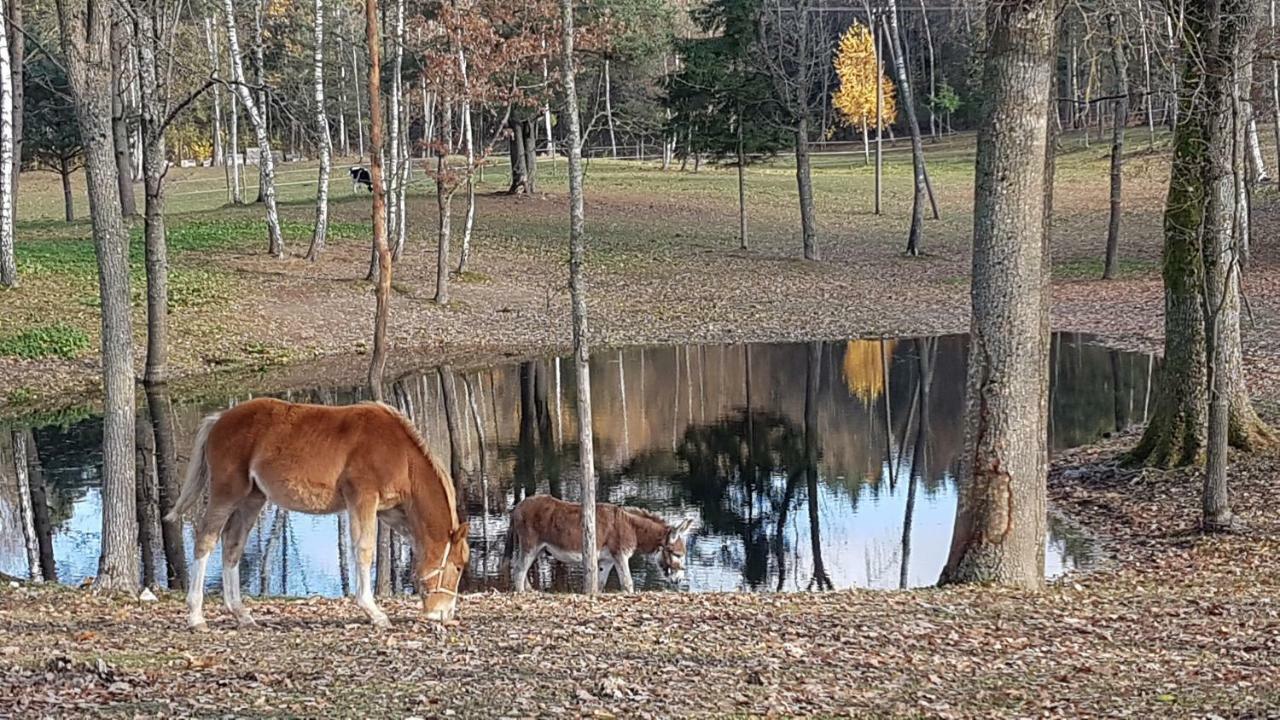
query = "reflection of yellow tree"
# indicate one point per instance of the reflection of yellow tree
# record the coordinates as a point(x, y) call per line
point(864, 368)
point(857, 68)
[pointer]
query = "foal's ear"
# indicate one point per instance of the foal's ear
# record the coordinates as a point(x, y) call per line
point(682, 528)
point(459, 534)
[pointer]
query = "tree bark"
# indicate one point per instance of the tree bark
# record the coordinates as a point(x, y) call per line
point(120, 43)
point(154, 166)
point(1000, 527)
point(378, 361)
point(8, 165)
point(322, 139)
point(260, 77)
point(468, 141)
point(578, 291)
point(804, 182)
point(219, 152)
point(257, 118)
point(444, 207)
point(68, 199)
point(608, 111)
point(17, 62)
point(86, 42)
point(519, 169)
point(1120, 64)
point(742, 189)
point(920, 186)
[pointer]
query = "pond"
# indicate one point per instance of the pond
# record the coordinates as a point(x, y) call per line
point(805, 466)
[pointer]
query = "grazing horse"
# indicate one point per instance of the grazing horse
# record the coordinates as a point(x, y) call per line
point(367, 459)
point(542, 522)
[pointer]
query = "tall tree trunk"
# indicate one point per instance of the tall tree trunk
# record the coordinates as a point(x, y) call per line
point(804, 182)
point(1000, 527)
point(168, 483)
point(1178, 430)
point(530, 157)
point(742, 189)
point(393, 122)
point(260, 78)
point(355, 74)
point(86, 43)
point(378, 361)
point(916, 233)
point(1120, 64)
point(879, 110)
point(1275, 88)
point(322, 139)
point(120, 44)
point(578, 290)
point(219, 156)
point(17, 61)
point(608, 111)
point(231, 156)
point(8, 166)
point(155, 165)
point(257, 118)
point(468, 142)
point(40, 508)
point(519, 168)
point(444, 207)
point(451, 420)
point(68, 198)
point(26, 512)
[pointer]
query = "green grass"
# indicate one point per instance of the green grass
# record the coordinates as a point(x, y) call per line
point(58, 340)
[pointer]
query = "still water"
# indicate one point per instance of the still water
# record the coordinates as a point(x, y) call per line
point(806, 466)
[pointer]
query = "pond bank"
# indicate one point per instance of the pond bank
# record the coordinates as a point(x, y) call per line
point(1174, 625)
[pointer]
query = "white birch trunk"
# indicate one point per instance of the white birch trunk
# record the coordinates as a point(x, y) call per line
point(324, 141)
point(8, 261)
point(275, 241)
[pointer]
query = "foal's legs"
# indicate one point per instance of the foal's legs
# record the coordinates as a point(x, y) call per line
point(624, 573)
point(234, 535)
point(215, 516)
point(520, 564)
point(364, 539)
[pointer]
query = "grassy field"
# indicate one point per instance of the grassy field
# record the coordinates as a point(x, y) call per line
point(663, 265)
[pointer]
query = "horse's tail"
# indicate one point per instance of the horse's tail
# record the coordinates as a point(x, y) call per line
point(197, 472)
point(509, 548)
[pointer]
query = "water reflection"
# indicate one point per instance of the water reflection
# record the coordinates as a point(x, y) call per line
point(808, 466)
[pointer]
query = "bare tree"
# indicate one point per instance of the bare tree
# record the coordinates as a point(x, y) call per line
point(120, 44)
point(1120, 64)
point(322, 139)
point(1001, 514)
point(257, 118)
point(919, 172)
point(794, 48)
point(378, 361)
point(86, 43)
point(578, 293)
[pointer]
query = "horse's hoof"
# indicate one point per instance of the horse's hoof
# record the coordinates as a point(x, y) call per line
point(382, 622)
point(246, 623)
point(200, 627)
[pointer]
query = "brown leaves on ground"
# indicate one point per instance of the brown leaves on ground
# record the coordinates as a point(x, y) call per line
point(1172, 625)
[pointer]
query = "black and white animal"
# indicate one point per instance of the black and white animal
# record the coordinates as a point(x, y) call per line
point(360, 176)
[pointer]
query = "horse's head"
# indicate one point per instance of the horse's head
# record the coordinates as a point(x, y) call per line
point(671, 555)
point(439, 574)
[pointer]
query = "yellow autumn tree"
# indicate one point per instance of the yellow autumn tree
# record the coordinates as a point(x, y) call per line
point(857, 67)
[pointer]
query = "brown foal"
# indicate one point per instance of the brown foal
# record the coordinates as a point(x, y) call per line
point(367, 459)
point(542, 522)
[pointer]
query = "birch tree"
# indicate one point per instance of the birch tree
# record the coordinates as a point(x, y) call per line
point(920, 173)
point(8, 261)
point(86, 43)
point(578, 293)
point(322, 140)
point(378, 360)
point(275, 241)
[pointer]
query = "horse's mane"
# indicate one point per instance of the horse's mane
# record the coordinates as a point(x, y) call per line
point(646, 514)
point(411, 430)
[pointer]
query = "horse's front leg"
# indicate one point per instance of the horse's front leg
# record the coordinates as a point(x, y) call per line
point(624, 573)
point(364, 538)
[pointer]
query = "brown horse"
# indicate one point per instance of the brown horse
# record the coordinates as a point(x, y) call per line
point(542, 522)
point(367, 459)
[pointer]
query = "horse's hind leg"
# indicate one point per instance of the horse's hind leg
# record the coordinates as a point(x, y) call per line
point(234, 535)
point(215, 516)
point(364, 537)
